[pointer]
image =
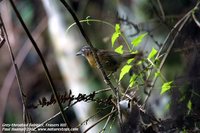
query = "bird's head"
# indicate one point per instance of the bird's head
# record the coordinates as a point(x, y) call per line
point(85, 51)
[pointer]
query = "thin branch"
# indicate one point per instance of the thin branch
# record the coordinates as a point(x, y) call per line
point(138, 30)
point(2, 38)
point(171, 32)
point(111, 113)
point(196, 9)
point(161, 9)
point(106, 79)
point(8, 80)
point(157, 14)
point(57, 114)
point(43, 63)
point(119, 109)
point(196, 94)
point(85, 121)
point(16, 72)
point(183, 20)
point(169, 49)
point(107, 121)
point(53, 117)
point(102, 90)
point(196, 20)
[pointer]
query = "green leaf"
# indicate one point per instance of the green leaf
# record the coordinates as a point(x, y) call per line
point(167, 106)
point(152, 53)
point(138, 39)
point(165, 87)
point(130, 60)
point(115, 34)
point(139, 62)
point(157, 74)
point(87, 18)
point(114, 38)
point(135, 52)
point(181, 99)
point(117, 28)
point(184, 131)
point(189, 105)
point(124, 71)
point(119, 49)
point(132, 80)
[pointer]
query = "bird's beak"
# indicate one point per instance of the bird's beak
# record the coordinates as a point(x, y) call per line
point(79, 53)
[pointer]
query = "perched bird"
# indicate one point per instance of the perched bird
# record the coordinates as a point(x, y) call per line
point(109, 60)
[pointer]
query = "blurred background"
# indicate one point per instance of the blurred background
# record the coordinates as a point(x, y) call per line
point(48, 21)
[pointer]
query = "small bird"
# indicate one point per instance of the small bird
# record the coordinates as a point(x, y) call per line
point(109, 60)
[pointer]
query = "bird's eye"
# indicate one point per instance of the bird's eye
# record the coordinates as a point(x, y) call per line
point(86, 53)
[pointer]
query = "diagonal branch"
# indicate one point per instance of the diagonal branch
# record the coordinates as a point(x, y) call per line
point(16, 72)
point(8, 80)
point(181, 24)
point(43, 62)
point(106, 79)
point(104, 117)
point(161, 9)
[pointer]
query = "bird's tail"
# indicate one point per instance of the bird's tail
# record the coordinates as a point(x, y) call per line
point(130, 56)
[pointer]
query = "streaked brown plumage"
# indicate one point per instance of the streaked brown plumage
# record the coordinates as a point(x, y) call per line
point(110, 60)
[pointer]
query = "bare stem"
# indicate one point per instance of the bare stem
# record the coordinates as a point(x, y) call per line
point(43, 63)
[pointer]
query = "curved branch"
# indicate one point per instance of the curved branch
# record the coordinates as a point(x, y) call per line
point(43, 62)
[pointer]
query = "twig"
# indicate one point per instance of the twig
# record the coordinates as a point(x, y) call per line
point(16, 72)
point(196, 94)
point(196, 20)
point(107, 121)
point(162, 47)
point(112, 112)
point(138, 30)
point(170, 33)
point(53, 117)
point(156, 12)
point(119, 109)
point(103, 90)
point(57, 114)
point(161, 9)
point(2, 39)
point(106, 79)
point(8, 80)
point(43, 63)
point(196, 9)
point(85, 121)
point(183, 20)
